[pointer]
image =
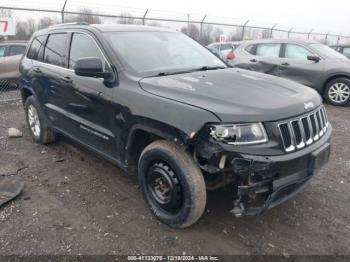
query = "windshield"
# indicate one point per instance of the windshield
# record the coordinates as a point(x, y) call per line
point(327, 52)
point(160, 53)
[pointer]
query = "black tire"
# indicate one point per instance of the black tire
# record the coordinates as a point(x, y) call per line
point(188, 187)
point(327, 92)
point(46, 134)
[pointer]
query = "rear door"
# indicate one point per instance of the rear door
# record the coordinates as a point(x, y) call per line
point(49, 71)
point(264, 58)
point(295, 65)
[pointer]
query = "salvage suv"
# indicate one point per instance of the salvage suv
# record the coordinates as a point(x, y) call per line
point(161, 106)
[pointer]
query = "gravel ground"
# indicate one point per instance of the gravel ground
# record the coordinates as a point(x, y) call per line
point(77, 203)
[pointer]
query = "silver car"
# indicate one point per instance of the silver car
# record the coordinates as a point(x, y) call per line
point(309, 63)
point(222, 49)
point(11, 53)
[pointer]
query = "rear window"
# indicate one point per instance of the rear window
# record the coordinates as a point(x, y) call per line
point(16, 50)
point(36, 48)
point(55, 49)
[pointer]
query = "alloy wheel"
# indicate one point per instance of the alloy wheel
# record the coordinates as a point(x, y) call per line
point(34, 122)
point(339, 93)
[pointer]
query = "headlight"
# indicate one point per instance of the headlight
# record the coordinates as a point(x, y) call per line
point(239, 134)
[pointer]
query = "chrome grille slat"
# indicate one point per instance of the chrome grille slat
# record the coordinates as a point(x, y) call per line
point(304, 130)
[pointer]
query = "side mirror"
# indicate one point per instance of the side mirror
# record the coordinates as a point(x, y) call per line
point(314, 58)
point(91, 67)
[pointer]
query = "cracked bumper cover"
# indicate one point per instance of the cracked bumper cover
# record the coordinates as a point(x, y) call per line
point(279, 177)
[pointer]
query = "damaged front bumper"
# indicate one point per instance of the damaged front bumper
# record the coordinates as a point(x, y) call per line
point(263, 182)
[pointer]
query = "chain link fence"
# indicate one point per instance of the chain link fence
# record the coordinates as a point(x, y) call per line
point(31, 16)
point(9, 91)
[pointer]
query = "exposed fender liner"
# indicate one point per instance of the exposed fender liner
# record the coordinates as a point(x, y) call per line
point(156, 128)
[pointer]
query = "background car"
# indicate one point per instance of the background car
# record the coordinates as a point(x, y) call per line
point(10, 55)
point(223, 49)
point(343, 49)
point(309, 63)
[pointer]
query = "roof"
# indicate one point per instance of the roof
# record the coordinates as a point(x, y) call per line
point(109, 27)
point(130, 28)
point(13, 42)
point(288, 40)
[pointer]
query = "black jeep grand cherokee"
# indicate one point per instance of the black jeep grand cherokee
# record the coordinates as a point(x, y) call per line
point(155, 102)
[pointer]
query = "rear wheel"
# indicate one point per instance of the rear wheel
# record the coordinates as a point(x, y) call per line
point(172, 184)
point(38, 126)
point(337, 92)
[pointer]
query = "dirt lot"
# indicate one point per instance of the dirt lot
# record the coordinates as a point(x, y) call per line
point(76, 203)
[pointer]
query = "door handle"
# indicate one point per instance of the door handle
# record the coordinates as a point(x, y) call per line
point(37, 69)
point(285, 64)
point(67, 79)
point(253, 60)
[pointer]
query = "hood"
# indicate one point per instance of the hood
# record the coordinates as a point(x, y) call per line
point(235, 95)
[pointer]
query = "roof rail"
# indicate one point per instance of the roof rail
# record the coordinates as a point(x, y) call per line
point(68, 24)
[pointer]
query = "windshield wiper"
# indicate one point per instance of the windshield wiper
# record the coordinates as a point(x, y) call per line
point(203, 68)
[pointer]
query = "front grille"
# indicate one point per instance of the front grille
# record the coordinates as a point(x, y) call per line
point(302, 131)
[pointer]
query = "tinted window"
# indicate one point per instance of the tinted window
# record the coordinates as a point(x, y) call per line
point(346, 50)
point(2, 51)
point(36, 48)
point(296, 52)
point(16, 50)
point(268, 50)
point(83, 46)
point(55, 50)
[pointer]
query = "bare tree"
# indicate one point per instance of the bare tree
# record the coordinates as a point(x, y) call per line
point(217, 32)
point(86, 15)
point(205, 35)
point(236, 35)
point(266, 33)
point(46, 21)
point(155, 23)
point(5, 13)
point(191, 30)
point(126, 18)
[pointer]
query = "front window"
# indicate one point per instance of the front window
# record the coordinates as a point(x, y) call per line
point(153, 53)
point(83, 46)
point(326, 51)
point(296, 52)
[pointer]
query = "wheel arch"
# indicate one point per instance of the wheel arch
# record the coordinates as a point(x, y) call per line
point(145, 132)
point(25, 93)
point(332, 77)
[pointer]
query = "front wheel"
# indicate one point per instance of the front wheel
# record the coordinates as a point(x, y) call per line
point(337, 92)
point(172, 184)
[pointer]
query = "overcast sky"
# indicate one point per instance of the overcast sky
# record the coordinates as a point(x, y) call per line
point(320, 15)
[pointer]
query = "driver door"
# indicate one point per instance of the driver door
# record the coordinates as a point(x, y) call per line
point(90, 101)
point(295, 65)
